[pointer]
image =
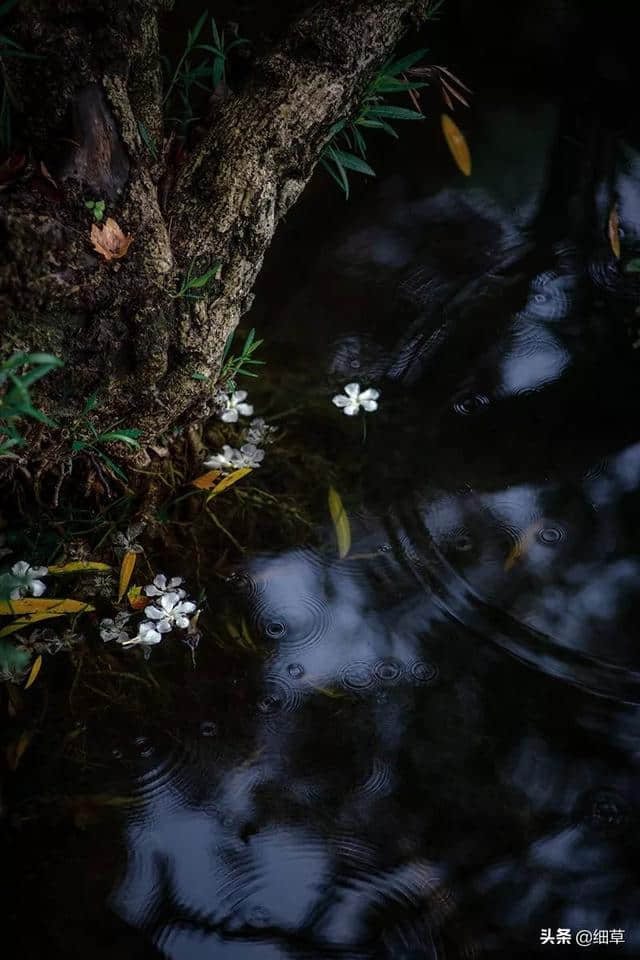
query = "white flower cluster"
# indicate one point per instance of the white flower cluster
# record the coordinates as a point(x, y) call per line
point(170, 610)
point(29, 578)
point(255, 436)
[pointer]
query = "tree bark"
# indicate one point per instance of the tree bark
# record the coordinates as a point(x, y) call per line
point(93, 102)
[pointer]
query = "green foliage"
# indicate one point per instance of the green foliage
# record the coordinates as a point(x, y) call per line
point(238, 366)
point(347, 148)
point(96, 207)
point(17, 375)
point(87, 438)
point(202, 67)
point(195, 287)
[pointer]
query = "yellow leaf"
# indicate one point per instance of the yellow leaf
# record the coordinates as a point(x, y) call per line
point(79, 567)
point(21, 622)
point(35, 670)
point(340, 522)
point(109, 241)
point(136, 598)
point(206, 480)
point(228, 481)
point(28, 606)
point(614, 231)
point(128, 563)
point(16, 750)
point(457, 144)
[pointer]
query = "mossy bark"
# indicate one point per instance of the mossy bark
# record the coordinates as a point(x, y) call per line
point(93, 103)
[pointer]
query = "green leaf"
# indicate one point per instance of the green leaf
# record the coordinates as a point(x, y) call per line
point(198, 376)
point(399, 66)
point(394, 113)
point(633, 266)
point(352, 162)
point(126, 436)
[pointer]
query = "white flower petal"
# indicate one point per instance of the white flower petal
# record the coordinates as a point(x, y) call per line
point(340, 400)
point(186, 607)
point(245, 409)
point(20, 568)
point(370, 394)
point(152, 591)
point(369, 405)
point(160, 581)
point(38, 588)
point(352, 390)
point(154, 613)
point(238, 396)
point(351, 409)
point(182, 622)
point(16, 593)
point(164, 626)
point(175, 582)
point(229, 416)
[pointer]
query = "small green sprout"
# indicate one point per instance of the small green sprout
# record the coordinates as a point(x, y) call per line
point(96, 207)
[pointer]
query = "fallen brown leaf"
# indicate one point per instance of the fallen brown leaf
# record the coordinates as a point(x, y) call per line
point(109, 241)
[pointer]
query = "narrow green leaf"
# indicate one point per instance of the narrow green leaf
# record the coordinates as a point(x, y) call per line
point(395, 113)
point(352, 162)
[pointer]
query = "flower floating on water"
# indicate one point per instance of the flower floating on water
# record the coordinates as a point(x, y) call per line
point(111, 629)
point(226, 460)
point(171, 611)
point(236, 406)
point(29, 577)
point(160, 586)
point(231, 459)
point(353, 399)
point(128, 542)
point(148, 635)
point(259, 431)
point(250, 455)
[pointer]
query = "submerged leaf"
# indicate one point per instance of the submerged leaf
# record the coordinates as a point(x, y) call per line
point(340, 522)
point(35, 670)
point(109, 241)
point(17, 749)
point(614, 231)
point(228, 481)
point(457, 144)
point(128, 563)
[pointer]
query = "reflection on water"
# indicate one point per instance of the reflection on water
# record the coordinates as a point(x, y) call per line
point(438, 755)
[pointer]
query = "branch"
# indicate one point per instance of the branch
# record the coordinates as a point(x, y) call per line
point(255, 162)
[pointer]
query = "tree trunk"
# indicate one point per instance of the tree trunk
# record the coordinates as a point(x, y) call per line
point(93, 103)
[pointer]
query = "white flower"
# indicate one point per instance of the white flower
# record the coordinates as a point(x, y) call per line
point(127, 542)
point(352, 399)
point(160, 586)
point(231, 459)
point(148, 635)
point(250, 455)
point(227, 460)
point(29, 580)
point(259, 431)
point(115, 629)
point(235, 405)
point(171, 611)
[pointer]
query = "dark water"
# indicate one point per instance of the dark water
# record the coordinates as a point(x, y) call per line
point(436, 752)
